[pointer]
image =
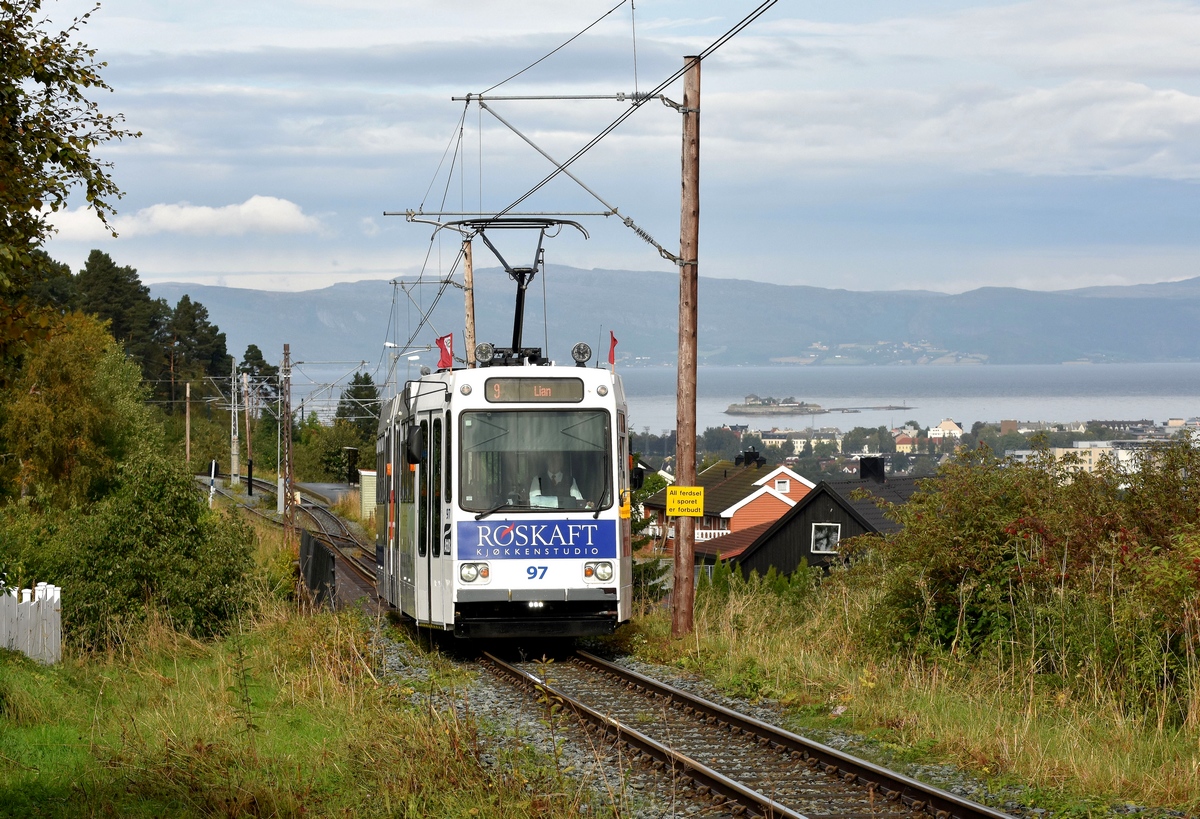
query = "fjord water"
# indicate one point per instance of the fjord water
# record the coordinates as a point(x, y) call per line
point(969, 393)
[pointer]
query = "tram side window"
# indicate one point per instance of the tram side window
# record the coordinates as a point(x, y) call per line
point(381, 481)
point(448, 463)
point(423, 506)
point(406, 472)
point(435, 480)
point(622, 453)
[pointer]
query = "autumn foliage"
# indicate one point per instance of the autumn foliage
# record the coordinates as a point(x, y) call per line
point(1088, 581)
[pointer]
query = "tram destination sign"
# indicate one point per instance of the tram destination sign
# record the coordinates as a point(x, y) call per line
point(533, 390)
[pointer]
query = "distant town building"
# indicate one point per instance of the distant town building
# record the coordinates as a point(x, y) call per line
point(948, 428)
point(1123, 426)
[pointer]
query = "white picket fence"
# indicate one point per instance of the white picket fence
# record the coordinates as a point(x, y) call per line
point(31, 622)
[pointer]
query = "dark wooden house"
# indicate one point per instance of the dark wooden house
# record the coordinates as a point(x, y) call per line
point(811, 530)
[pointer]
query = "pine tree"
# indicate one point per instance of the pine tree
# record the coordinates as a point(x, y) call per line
point(197, 343)
point(264, 377)
point(359, 405)
point(117, 295)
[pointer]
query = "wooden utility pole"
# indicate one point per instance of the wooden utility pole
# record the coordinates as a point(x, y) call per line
point(683, 595)
point(249, 449)
point(469, 302)
point(235, 471)
point(187, 421)
point(285, 457)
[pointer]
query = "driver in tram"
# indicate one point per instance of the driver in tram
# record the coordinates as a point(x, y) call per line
point(554, 484)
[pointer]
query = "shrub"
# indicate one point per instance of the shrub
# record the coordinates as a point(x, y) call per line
point(650, 579)
point(151, 545)
point(1089, 581)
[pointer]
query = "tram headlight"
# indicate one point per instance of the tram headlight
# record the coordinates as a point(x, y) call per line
point(582, 353)
point(485, 352)
point(470, 572)
point(602, 571)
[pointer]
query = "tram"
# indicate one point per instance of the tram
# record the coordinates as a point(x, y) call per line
point(503, 496)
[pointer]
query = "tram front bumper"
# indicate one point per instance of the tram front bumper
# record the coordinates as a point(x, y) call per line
point(579, 612)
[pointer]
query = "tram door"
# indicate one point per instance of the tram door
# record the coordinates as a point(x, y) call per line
point(429, 575)
point(404, 562)
point(444, 570)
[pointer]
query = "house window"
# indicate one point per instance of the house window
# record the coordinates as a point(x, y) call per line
point(783, 485)
point(825, 537)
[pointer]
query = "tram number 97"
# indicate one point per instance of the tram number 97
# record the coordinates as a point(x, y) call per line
point(536, 572)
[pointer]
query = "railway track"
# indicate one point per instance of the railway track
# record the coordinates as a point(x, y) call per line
point(336, 535)
point(726, 760)
point(327, 527)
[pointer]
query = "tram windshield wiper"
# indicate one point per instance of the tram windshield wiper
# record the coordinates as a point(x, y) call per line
point(505, 505)
point(596, 503)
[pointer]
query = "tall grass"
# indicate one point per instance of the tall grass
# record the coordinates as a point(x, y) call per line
point(290, 716)
point(349, 507)
point(1076, 746)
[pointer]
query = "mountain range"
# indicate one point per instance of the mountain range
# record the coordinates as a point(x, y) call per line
point(741, 322)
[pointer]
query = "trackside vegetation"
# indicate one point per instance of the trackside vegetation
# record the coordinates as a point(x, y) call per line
point(1032, 623)
point(287, 715)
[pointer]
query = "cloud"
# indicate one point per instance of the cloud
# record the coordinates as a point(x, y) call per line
point(1086, 127)
point(257, 215)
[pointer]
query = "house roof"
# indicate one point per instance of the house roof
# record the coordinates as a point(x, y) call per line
point(896, 490)
point(753, 496)
point(784, 472)
point(733, 544)
point(726, 484)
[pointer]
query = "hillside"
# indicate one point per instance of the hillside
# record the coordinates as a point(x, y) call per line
point(741, 322)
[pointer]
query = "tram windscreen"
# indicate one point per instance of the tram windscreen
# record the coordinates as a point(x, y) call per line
point(535, 459)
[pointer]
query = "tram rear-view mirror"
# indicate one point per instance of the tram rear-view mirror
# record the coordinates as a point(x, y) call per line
point(415, 445)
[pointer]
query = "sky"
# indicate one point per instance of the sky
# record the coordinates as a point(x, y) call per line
point(933, 144)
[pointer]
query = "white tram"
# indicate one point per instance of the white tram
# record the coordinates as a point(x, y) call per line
point(467, 539)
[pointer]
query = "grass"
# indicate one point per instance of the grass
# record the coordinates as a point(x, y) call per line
point(1073, 757)
point(349, 507)
point(289, 717)
point(292, 716)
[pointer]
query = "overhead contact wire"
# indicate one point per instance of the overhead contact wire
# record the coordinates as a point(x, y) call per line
point(641, 100)
point(560, 48)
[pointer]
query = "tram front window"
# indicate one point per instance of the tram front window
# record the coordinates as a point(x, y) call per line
point(535, 459)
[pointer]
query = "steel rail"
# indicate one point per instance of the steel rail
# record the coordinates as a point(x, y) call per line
point(710, 783)
point(343, 545)
point(889, 784)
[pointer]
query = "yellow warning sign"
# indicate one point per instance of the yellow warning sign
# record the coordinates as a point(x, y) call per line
point(685, 501)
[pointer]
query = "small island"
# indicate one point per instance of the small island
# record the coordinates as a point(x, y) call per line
point(774, 406)
point(754, 405)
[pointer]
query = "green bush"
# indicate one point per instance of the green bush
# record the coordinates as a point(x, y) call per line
point(650, 579)
point(1085, 581)
point(151, 545)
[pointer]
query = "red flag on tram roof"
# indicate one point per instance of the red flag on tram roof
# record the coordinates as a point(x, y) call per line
point(612, 348)
point(446, 345)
